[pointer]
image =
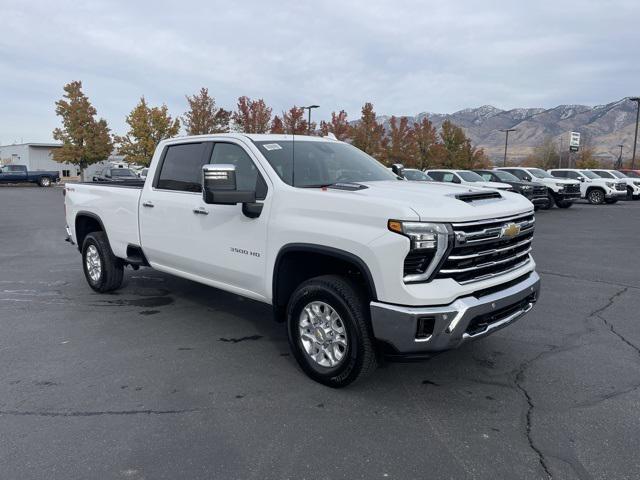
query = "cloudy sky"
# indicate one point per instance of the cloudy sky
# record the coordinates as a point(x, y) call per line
point(404, 56)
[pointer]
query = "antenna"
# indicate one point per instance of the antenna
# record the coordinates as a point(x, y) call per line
point(293, 157)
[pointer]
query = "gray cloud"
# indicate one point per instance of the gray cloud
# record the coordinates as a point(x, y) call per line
point(405, 57)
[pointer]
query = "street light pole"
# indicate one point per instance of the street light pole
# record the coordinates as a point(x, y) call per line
point(309, 121)
point(506, 142)
point(619, 162)
point(635, 139)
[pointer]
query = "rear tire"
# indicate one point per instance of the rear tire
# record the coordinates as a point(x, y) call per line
point(102, 269)
point(329, 331)
point(44, 182)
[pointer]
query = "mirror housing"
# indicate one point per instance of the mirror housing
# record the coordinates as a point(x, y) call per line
point(219, 186)
point(398, 169)
point(581, 179)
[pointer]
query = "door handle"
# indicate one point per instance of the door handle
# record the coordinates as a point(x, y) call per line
point(147, 204)
point(200, 211)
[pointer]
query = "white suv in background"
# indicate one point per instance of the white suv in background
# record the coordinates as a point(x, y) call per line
point(466, 177)
point(633, 184)
point(562, 192)
point(593, 187)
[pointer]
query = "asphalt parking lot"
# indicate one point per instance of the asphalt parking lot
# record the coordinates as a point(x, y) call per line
point(171, 379)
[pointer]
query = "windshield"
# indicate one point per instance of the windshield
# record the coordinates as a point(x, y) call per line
point(617, 174)
point(506, 176)
point(321, 163)
point(417, 176)
point(589, 174)
point(538, 173)
point(122, 172)
point(604, 174)
point(470, 176)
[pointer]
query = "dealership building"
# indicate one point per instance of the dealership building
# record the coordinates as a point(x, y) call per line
point(39, 156)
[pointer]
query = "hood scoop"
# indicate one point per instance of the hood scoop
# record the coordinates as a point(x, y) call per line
point(352, 187)
point(477, 196)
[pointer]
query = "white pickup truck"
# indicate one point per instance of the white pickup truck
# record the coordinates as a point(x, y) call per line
point(593, 187)
point(358, 263)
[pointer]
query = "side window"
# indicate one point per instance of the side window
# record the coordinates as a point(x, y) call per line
point(559, 174)
point(487, 177)
point(518, 173)
point(437, 176)
point(573, 175)
point(247, 175)
point(447, 177)
point(182, 167)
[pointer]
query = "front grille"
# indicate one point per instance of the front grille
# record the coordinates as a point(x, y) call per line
point(571, 188)
point(621, 187)
point(540, 191)
point(483, 249)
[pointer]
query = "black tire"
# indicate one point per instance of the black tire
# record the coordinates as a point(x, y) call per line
point(44, 182)
point(630, 193)
point(343, 296)
point(111, 267)
point(595, 196)
point(552, 200)
point(564, 204)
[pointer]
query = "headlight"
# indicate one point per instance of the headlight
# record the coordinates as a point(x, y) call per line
point(526, 187)
point(428, 244)
point(610, 184)
point(561, 185)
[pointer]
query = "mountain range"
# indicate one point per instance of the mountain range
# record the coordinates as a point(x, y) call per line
point(603, 127)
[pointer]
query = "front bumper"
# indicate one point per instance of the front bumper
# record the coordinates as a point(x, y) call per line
point(465, 319)
point(542, 200)
point(616, 194)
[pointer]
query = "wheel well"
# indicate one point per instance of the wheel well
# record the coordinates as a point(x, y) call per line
point(297, 264)
point(590, 189)
point(85, 224)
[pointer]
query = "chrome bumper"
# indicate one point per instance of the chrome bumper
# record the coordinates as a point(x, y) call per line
point(453, 324)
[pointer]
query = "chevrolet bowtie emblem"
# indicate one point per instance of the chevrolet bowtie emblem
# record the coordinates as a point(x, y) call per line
point(510, 230)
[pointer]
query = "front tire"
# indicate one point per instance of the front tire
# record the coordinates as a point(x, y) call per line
point(551, 201)
point(564, 204)
point(329, 331)
point(44, 182)
point(596, 196)
point(102, 269)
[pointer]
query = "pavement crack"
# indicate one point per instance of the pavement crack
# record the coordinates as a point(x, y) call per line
point(598, 314)
point(582, 279)
point(92, 414)
point(518, 380)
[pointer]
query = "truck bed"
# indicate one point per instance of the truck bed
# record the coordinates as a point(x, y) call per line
point(115, 204)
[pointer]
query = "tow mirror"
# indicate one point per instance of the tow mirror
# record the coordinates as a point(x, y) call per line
point(398, 169)
point(219, 186)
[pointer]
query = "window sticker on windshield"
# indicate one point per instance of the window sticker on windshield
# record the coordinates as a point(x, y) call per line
point(272, 146)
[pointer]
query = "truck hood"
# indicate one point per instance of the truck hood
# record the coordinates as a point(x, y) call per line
point(563, 181)
point(433, 201)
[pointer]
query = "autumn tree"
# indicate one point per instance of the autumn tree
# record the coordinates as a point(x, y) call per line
point(203, 116)
point(276, 125)
point(545, 155)
point(426, 138)
point(147, 127)
point(295, 123)
point(399, 145)
point(339, 126)
point(586, 156)
point(85, 140)
point(252, 116)
point(470, 157)
point(367, 134)
point(453, 139)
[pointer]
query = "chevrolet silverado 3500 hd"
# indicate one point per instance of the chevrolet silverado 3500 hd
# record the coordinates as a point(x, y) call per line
point(358, 263)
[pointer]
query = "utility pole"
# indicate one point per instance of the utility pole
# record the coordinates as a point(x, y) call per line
point(309, 121)
point(506, 143)
point(635, 139)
